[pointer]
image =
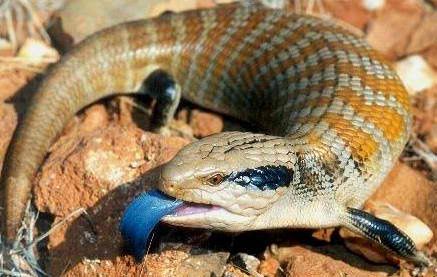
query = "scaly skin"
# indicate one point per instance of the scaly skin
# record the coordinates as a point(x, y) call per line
point(337, 114)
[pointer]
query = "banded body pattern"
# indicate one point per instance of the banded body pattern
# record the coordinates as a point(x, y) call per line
point(309, 80)
point(326, 92)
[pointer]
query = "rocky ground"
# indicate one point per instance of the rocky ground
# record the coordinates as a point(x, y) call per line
point(106, 156)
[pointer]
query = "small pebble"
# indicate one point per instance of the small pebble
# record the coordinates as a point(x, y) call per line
point(38, 52)
point(373, 5)
point(247, 262)
point(416, 229)
point(416, 73)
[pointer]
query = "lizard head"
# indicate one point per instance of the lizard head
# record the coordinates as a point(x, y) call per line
point(227, 181)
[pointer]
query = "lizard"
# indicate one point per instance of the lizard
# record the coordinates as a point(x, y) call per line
point(333, 117)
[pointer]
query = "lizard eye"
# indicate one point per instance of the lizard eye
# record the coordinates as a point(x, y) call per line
point(215, 179)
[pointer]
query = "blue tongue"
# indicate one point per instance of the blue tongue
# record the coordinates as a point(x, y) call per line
point(142, 215)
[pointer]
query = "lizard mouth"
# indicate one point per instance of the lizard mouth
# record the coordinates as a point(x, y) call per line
point(147, 209)
point(206, 216)
point(190, 208)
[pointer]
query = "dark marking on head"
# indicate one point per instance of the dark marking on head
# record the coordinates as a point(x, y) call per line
point(263, 178)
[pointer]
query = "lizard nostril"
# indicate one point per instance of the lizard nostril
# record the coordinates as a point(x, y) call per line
point(169, 188)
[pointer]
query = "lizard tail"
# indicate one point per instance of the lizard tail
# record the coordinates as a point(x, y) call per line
point(100, 66)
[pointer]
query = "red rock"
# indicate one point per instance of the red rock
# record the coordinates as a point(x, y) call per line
point(431, 139)
point(351, 12)
point(431, 55)
point(411, 192)
point(269, 267)
point(86, 167)
point(82, 169)
point(79, 19)
point(390, 32)
point(233, 271)
point(205, 124)
point(6, 49)
point(11, 82)
point(88, 170)
point(154, 265)
point(404, 5)
point(308, 261)
point(425, 111)
point(94, 118)
point(424, 35)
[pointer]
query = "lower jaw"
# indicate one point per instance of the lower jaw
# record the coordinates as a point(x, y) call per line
point(208, 217)
point(194, 215)
point(193, 208)
point(195, 220)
